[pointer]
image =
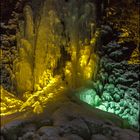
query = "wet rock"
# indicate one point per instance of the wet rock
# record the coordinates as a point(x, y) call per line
point(49, 131)
point(117, 55)
point(36, 137)
point(98, 87)
point(124, 136)
point(115, 131)
point(106, 33)
point(106, 96)
point(103, 77)
point(107, 130)
point(29, 128)
point(12, 129)
point(123, 87)
point(46, 122)
point(132, 68)
point(71, 137)
point(133, 93)
point(136, 85)
point(131, 133)
point(106, 28)
point(44, 137)
point(94, 125)
point(76, 126)
point(99, 137)
point(28, 136)
point(131, 75)
point(125, 50)
point(39, 122)
point(63, 115)
point(107, 64)
point(109, 87)
point(117, 72)
point(123, 81)
point(111, 46)
point(117, 97)
point(111, 79)
point(89, 95)
point(6, 43)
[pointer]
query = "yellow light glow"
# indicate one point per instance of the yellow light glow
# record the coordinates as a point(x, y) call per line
point(37, 73)
point(49, 86)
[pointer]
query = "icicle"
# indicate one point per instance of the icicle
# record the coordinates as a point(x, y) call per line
point(56, 51)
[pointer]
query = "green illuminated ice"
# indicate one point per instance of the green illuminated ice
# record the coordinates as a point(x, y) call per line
point(121, 107)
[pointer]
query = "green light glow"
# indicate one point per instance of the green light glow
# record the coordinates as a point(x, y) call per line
point(90, 97)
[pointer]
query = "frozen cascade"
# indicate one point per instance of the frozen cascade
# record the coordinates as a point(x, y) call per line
point(56, 45)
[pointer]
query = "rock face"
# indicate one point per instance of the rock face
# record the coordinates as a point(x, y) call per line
point(123, 79)
point(76, 126)
point(98, 137)
point(116, 85)
point(116, 89)
point(117, 82)
point(71, 121)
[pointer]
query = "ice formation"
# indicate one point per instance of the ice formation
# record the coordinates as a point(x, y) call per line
point(56, 51)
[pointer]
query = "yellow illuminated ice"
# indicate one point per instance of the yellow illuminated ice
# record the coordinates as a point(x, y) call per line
point(47, 63)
